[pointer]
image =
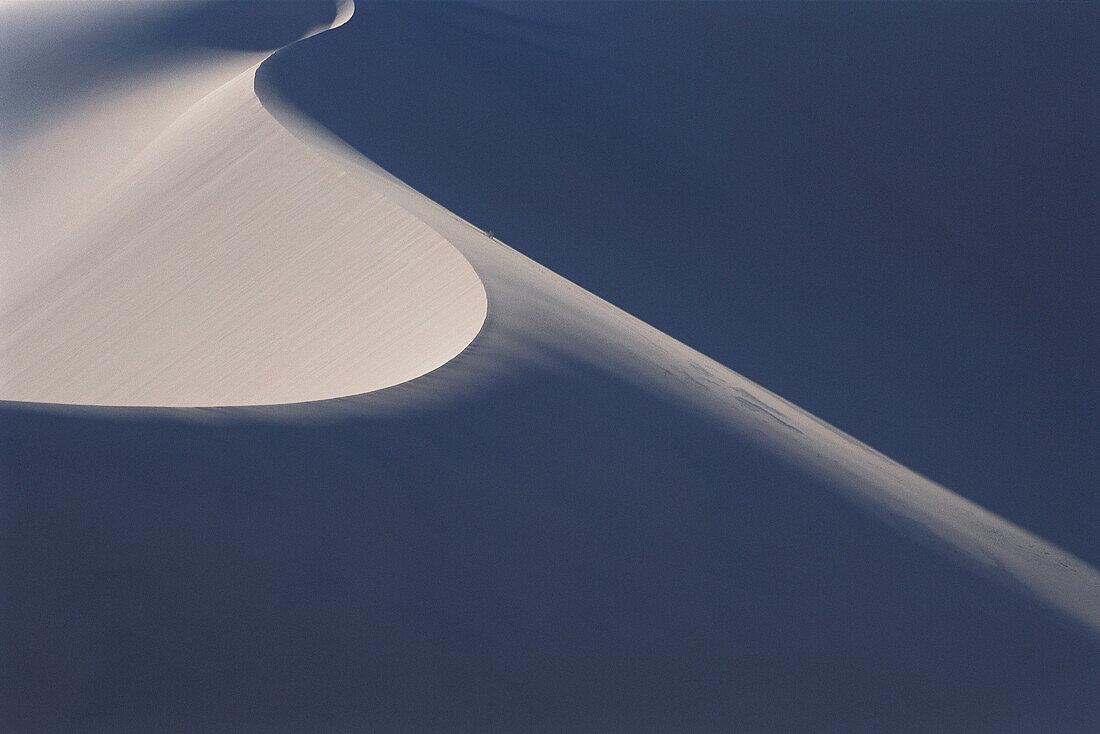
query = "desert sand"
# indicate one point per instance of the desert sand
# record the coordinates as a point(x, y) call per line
point(223, 264)
point(231, 253)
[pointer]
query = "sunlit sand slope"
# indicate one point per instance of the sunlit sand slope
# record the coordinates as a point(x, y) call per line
point(568, 521)
point(228, 264)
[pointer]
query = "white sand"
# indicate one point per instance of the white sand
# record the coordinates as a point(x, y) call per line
point(233, 264)
point(59, 153)
point(225, 264)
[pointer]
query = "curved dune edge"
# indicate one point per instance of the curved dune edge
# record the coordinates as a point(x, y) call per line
point(230, 265)
point(72, 122)
point(540, 318)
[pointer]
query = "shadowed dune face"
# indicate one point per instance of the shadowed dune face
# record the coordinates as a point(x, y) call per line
point(576, 524)
point(884, 213)
point(250, 24)
point(560, 552)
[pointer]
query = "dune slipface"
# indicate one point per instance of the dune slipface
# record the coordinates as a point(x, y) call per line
point(553, 518)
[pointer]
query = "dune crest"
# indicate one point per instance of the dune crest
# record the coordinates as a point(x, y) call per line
point(228, 264)
point(246, 257)
point(540, 319)
point(568, 521)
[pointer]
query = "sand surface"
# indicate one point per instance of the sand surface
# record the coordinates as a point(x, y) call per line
point(223, 264)
point(553, 516)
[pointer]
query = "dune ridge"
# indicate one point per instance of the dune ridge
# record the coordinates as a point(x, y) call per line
point(208, 340)
point(226, 264)
point(549, 316)
point(543, 316)
point(493, 512)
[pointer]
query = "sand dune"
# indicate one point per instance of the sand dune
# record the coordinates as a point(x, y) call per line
point(225, 264)
point(71, 122)
point(554, 516)
point(538, 316)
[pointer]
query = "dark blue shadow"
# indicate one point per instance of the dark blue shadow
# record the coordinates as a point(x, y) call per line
point(877, 210)
point(886, 213)
point(561, 554)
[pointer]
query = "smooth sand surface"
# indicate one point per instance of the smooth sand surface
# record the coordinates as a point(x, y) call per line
point(568, 518)
point(224, 264)
point(234, 263)
point(87, 86)
point(541, 317)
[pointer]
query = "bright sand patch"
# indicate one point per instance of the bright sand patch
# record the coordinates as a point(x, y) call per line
point(233, 263)
point(227, 264)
